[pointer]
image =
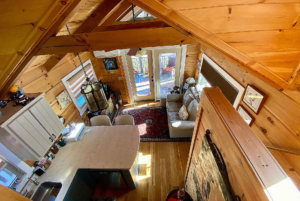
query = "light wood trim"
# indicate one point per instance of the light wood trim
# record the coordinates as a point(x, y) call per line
point(190, 29)
point(283, 150)
point(154, 24)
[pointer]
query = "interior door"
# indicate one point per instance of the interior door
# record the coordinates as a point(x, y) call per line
point(167, 70)
point(141, 76)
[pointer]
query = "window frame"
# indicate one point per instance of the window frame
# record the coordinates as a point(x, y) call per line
point(71, 74)
point(230, 79)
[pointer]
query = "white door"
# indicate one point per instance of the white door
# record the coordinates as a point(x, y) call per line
point(167, 70)
point(141, 76)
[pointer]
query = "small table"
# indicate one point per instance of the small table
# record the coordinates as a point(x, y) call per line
point(173, 194)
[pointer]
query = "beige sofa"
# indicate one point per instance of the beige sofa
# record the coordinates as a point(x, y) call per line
point(182, 128)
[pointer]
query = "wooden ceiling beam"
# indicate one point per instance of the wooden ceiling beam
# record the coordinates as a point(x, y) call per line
point(115, 13)
point(111, 40)
point(52, 61)
point(154, 24)
point(208, 39)
point(55, 20)
point(93, 20)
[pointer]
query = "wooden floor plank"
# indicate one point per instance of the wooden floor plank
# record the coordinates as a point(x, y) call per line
point(166, 164)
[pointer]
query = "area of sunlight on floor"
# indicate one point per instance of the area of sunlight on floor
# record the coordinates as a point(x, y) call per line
point(144, 167)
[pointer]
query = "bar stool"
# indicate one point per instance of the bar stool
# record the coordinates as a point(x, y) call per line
point(101, 120)
point(124, 120)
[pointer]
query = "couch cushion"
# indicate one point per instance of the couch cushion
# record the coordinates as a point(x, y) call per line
point(173, 116)
point(188, 97)
point(192, 110)
point(173, 106)
point(183, 113)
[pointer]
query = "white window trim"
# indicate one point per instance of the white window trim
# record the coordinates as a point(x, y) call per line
point(123, 54)
point(233, 82)
point(67, 77)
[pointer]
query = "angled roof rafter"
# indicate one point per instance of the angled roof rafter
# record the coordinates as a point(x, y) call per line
point(210, 40)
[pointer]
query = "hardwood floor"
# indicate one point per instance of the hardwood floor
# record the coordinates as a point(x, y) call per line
point(161, 169)
point(141, 104)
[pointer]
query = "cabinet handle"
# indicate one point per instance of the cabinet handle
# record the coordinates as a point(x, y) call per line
point(50, 138)
point(54, 136)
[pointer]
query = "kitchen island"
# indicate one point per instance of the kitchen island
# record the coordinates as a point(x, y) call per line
point(112, 148)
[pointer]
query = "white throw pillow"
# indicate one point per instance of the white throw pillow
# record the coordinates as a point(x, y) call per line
point(192, 110)
point(183, 114)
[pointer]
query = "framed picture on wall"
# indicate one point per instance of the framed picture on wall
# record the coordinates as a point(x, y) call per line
point(254, 98)
point(63, 99)
point(110, 63)
point(249, 119)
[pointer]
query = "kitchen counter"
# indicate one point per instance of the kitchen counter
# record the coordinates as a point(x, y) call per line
point(103, 148)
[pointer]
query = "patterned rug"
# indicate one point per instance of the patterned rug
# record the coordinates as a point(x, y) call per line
point(152, 123)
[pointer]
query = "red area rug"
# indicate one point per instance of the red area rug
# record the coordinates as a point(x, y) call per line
point(152, 123)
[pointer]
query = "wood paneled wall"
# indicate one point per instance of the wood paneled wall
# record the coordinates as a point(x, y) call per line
point(278, 123)
point(37, 79)
point(115, 78)
point(266, 31)
point(190, 61)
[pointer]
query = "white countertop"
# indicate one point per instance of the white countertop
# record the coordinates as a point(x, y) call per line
point(104, 147)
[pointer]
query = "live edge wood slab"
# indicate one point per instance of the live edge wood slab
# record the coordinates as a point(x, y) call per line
point(103, 148)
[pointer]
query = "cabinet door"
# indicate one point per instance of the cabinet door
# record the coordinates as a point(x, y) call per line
point(47, 118)
point(52, 114)
point(37, 131)
point(22, 129)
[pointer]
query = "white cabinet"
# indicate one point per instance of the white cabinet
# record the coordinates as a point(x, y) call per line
point(31, 130)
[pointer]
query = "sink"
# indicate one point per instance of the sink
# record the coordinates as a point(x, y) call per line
point(47, 191)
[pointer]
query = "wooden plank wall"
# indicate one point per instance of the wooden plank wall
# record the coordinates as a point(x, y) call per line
point(115, 78)
point(255, 28)
point(37, 79)
point(278, 123)
point(190, 61)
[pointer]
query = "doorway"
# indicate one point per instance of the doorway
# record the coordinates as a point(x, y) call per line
point(141, 76)
point(167, 70)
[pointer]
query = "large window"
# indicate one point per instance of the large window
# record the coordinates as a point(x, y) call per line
point(8, 173)
point(73, 82)
point(211, 74)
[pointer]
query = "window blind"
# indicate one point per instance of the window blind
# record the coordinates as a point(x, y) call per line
point(77, 80)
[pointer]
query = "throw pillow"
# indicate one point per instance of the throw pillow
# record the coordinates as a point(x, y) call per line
point(192, 110)
point(187, 97)
point(183, 114)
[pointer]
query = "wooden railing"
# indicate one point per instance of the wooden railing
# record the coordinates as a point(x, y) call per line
point(252, 171)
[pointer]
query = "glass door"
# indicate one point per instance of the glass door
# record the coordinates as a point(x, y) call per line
point(141, 76)
point(167, 67)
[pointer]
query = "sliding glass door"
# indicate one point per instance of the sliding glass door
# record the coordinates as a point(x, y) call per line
point(167, 67)
point(141, 76)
